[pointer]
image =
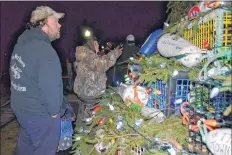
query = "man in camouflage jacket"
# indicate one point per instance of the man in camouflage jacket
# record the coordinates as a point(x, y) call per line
point(91, 69)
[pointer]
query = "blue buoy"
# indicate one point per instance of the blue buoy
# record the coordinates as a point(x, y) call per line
point(150, 45)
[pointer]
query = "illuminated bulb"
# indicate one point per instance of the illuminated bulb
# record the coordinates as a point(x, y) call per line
point(131, 58)
point(111, 107)
point(166, 24)
point(78, 138)
point(87, 33)
point(178, 101)
point(101, 122)
point(214, 92)
point(88, 119)
point(175, 73)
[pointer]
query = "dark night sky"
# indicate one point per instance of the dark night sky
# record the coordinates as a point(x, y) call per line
point(113, 20)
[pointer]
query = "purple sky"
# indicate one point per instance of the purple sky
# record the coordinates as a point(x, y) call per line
point(113, 20)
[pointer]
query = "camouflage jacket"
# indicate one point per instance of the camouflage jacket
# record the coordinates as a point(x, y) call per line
point(91, 71)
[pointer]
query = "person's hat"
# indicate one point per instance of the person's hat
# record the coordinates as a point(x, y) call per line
point(42, 12)
point(130, 37)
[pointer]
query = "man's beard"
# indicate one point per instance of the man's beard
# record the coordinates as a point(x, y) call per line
point(53, 36)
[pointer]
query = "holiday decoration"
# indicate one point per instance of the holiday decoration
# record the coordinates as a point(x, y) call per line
point(193, 12)
point(174, 46)
point(150, 45)
point(135, 94)
point(129, 132)
point(219, 141)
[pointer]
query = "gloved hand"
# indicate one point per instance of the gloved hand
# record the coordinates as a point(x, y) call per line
point(119, 50)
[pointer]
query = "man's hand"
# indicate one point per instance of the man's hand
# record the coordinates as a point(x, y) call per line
point(119, 50)
point(54, 116)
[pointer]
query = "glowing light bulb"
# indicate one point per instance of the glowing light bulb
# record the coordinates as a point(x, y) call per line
point(87, 33)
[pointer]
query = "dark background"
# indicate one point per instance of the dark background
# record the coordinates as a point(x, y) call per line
point(109, 21)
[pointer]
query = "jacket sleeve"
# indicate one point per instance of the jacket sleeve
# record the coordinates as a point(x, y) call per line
point(50, 80)
point(101, 63)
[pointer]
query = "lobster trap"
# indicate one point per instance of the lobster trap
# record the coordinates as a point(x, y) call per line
point(181, 95)
point(172, 94)
point(201, 101)
point(213, 31)
point(158, 100)
point(204, 107)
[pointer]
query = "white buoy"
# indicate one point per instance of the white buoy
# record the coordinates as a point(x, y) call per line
point(218, 141)
point(170, 45)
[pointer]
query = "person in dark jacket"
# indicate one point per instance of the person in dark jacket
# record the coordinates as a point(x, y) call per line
point(129, 50)
point(36, 84)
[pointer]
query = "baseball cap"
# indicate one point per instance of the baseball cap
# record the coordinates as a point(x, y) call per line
point(42, 12)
